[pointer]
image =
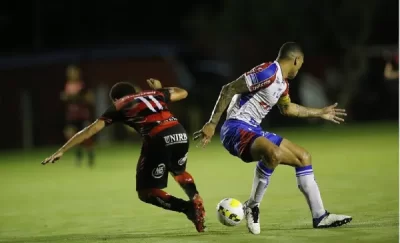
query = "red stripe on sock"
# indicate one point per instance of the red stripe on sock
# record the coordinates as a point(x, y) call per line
point(154, 192)
point(184, 178)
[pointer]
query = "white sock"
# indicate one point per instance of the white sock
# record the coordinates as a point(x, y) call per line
point(260, 183)
point(308, 186)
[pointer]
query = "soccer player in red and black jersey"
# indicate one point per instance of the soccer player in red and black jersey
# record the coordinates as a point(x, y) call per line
point(164, 150)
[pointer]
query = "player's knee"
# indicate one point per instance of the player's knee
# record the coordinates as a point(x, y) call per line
point(143, 195)
point(269, 153)
point(305, 158)
point(272, 158)
point(275, 158)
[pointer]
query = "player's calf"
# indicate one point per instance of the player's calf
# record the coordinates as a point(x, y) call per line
point(299, 158)
point(162, 199)
point(186, 182)
point(196, 213)
point(193, 209)
point(269, 156)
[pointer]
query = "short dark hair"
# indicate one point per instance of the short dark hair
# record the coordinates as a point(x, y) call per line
point(288, 49)
point(121, 89)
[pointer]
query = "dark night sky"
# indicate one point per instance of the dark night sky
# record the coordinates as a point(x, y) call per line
point(63, 24)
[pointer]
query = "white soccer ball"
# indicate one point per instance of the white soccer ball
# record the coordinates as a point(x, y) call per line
point(230, 212)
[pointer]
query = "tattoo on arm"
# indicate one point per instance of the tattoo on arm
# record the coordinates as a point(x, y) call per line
point(301, 111)
point(292, 109)
point(228, 91)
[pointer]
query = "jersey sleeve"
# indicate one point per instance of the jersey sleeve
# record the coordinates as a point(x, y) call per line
point(261, 76)
point(285, 97)
point(167, 95)
point(111, 115)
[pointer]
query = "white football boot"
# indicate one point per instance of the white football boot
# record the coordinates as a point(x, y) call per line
point(329, 220)
point(253, 218)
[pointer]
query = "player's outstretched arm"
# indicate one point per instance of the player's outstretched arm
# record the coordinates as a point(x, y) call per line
point(78, 138)
point(330, 113)
point(238, 86)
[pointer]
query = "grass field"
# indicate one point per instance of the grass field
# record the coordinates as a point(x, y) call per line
point(356, 168)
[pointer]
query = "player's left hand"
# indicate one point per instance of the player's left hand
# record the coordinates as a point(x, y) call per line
point(56, 156)
point(154, 83)
point(333, 114)
point(205, 134)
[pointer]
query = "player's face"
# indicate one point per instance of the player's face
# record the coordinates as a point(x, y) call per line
point(298, 62)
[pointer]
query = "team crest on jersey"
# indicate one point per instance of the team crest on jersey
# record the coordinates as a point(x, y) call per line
point(159, 171)
point(175, 138)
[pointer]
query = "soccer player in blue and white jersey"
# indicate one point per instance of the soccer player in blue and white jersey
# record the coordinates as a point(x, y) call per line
point(250, 98)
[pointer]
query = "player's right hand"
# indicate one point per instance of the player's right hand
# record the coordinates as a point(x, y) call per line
point(154, 83)
point(205, 134)
point(56, 156)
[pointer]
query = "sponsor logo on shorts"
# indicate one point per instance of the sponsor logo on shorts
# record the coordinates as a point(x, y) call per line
point(176, 138)
point(159, 171)
point(183, 160)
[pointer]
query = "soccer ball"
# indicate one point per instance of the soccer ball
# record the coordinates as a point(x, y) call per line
point(230, 212)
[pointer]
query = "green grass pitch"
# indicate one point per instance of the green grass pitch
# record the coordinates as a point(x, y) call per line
point(356, 168)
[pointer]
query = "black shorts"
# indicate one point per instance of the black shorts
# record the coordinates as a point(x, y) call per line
point(162, 154)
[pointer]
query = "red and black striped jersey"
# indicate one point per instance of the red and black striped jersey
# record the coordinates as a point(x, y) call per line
point(147, 112)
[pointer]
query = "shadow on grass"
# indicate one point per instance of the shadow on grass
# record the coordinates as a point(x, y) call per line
point(134, 236)
point(159, 235)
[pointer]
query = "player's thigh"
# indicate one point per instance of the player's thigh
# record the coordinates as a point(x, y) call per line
point(151, 170)
point(239, 139)
point(262, 149)
point(277, 150)
point(294, 155)
point(177, 159)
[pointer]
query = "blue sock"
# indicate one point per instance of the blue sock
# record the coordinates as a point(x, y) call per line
point(308, 186)
point(260, 183)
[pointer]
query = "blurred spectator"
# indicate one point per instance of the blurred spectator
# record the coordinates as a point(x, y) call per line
point(391, 86)
point(392, 68)
point(79, 102)
point(312, 93)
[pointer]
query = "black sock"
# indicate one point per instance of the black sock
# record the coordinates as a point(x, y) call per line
point(186, 181)
point(91, 157)
point(190, 189)
point(162, 199)
point(79, 154)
